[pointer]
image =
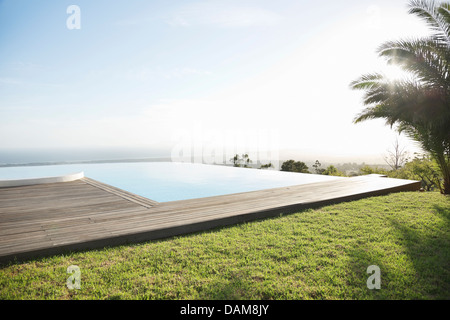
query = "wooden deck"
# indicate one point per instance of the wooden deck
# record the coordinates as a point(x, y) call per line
point(53, 218)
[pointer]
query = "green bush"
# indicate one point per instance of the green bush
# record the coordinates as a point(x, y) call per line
point(294, 166)
point(333, 171)
point(422, 168)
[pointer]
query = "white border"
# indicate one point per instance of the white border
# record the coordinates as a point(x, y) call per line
point(29, 182)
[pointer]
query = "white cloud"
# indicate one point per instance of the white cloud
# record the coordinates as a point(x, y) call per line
point(20, 82)
point(146, 73)
point(10, 81)
point(180, 72)
point(222, 15)
point(21, 66)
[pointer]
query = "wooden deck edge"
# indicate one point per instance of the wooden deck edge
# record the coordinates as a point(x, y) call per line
point(189, 228)
point(145, 202)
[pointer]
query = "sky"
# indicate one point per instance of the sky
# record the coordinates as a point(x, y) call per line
point(197, 78)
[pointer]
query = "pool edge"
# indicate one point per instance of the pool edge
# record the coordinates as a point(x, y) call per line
point(44, 180)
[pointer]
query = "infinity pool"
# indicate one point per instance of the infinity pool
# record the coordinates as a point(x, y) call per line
point(169, 181)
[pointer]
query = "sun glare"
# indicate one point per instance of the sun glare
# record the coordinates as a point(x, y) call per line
point(395, 73)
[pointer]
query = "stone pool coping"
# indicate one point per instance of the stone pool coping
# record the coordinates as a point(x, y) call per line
point(43, 180)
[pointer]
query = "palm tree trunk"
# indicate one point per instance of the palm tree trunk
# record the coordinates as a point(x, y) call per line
point(446, 188)
point(445, 170)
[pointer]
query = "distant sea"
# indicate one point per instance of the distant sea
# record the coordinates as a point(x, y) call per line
point(29, 157)
point(21, 157)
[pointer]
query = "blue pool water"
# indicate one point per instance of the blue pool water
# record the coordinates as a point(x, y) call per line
point(169, 181)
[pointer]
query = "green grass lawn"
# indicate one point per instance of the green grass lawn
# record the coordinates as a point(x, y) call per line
point(313, 254)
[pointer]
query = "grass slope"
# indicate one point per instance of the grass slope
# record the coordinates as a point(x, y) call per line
point(314, 254)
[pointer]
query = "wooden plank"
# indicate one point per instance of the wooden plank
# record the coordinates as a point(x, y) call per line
point(53, 218)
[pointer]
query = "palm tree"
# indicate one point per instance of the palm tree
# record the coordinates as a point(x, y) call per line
point(420, 104)
point(246, 160)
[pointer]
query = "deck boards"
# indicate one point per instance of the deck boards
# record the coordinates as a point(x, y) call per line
point(87, 214)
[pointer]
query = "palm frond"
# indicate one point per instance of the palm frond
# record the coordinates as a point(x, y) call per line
point(426, 59)
point(429, 11)
point(444, 11)
point(366, 81)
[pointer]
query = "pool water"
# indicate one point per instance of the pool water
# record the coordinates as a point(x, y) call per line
point(170, 181)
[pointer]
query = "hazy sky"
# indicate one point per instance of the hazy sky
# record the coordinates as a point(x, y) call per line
point(210, 74)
